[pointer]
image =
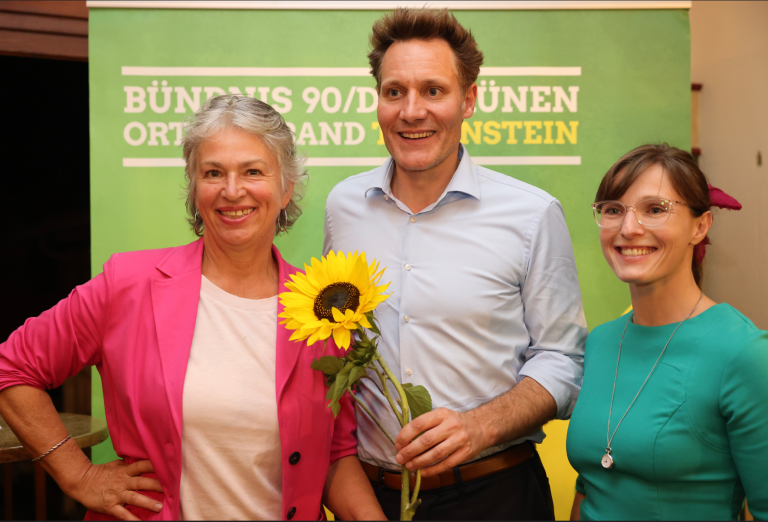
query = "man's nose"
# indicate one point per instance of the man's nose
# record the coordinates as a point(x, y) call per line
point(414, 108)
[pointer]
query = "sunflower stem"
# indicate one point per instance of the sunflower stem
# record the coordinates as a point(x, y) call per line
point(374, 419)
point(405, 503)
point(417, 487)
point(375, 384)
point(403, 399)
point(388, 395)
point(405, 490)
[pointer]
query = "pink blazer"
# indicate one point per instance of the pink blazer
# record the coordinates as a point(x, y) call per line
point(135, 322)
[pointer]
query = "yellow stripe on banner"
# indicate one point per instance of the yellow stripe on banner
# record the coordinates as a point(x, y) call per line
point(328, 514)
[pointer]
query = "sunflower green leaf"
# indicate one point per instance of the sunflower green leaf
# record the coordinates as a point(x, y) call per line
point(419, 400)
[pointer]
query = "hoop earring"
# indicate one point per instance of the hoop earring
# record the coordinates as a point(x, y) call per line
point(194, 225)
point(282, 225)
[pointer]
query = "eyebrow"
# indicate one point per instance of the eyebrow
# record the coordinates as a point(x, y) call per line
point(426, 80)
point(240, 165)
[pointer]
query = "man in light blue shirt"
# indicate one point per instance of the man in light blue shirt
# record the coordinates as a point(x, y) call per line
point(486, 309)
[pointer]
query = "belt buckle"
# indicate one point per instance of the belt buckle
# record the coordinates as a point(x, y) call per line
point(381, 477)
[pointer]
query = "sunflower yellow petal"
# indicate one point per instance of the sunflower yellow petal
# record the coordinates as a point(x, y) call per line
point(337, 315)
point(298, 299)
point(363, 321)
point(303, 316)
point(341, 337)
point(298, 289)
point(297, 335)
point(315, 337)
point(359, 275)
point(303, 284)
point(319, 273)
point(329, 265)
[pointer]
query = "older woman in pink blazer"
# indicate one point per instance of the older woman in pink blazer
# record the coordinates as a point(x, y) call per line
point(215, 413)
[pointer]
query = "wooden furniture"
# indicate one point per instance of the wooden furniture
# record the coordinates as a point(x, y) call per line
point(85, 430)
point(44, 29)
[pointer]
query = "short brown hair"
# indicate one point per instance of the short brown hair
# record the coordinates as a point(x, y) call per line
point(684, 174)
point(405, 24)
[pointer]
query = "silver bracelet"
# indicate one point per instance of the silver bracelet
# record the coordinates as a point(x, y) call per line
point(53, 448)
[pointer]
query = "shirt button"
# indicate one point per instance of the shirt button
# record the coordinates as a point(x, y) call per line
point(294, 458)
point(413, 219)
point(291, 513)
point(408, 371)
point(407, 267)
point(386, 198)
point(406, 318)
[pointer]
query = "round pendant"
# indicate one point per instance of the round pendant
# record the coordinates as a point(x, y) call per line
point(607, 461)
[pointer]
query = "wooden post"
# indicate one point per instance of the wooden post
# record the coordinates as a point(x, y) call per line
point(8, 486)
point(40, 511)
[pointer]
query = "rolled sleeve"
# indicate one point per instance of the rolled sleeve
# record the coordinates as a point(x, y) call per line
point(554, 314)
point(344, 441)
point(61, 341)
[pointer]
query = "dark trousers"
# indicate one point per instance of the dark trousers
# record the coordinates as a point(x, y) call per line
point(518, 493)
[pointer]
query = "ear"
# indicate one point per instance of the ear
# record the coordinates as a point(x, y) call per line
point(703, 224)
point(287, 194)
point(470, 97)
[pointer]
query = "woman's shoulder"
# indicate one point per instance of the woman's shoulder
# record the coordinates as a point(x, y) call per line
point(728, 345)
point(608, 329)
point(604, 337)
point(728, 329)
point(145, 263)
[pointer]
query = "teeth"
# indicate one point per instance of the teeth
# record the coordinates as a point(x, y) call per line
point(236, 213)
point(636, 251)
point(419, 135)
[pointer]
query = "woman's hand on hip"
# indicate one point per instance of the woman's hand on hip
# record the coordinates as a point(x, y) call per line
point(108, 488)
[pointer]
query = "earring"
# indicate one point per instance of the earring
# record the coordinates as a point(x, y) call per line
point(194, 224)
point(282, 225)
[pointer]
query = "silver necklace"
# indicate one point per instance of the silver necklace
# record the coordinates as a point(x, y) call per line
point(607, 460)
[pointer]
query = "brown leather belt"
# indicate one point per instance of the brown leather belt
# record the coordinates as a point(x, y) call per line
point(500, 461)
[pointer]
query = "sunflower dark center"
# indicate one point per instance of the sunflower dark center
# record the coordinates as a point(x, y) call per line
point(343, 296)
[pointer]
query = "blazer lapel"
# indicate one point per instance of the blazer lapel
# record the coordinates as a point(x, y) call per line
point(175, 298)
point(287, 351)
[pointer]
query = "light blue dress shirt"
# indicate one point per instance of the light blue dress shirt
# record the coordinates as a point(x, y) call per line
point(485, 292)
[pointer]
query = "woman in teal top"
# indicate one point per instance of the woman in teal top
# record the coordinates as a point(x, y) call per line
point(672, 418)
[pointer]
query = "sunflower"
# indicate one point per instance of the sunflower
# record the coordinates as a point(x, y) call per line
point(332, 298)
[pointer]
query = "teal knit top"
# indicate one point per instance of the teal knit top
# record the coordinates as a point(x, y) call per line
point(695, 443)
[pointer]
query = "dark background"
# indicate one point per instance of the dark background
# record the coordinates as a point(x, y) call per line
point(45, 217)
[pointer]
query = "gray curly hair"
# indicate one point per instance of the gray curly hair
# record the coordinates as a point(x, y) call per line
point(259, 119)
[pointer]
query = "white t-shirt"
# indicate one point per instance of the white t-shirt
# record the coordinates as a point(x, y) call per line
point(231, 467)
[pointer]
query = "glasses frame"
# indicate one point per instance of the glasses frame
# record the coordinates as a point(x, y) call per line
point(633, 208)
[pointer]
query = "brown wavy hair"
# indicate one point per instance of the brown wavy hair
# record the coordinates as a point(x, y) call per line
point(405, 24)
point(684, 174)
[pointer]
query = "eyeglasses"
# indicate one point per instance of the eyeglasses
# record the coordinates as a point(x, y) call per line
point(651, 212)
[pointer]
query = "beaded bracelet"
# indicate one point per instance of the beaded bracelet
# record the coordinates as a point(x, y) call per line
point(53, 448)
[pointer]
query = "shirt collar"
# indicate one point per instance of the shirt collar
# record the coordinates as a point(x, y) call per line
point(464, 179)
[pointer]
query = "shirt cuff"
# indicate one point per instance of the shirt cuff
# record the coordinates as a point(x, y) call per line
point(559, 375)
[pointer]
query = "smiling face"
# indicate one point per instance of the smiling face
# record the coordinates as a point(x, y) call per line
point(238, 190)
point(645, 255)
point(421, 103)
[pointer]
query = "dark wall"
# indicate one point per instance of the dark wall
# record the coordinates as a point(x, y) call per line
point(45, 217)
point(44, 191)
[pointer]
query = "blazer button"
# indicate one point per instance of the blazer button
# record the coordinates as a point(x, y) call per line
point(294, 458)
point(291, 512)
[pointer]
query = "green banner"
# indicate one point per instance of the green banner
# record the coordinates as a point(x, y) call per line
point(562, 95)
